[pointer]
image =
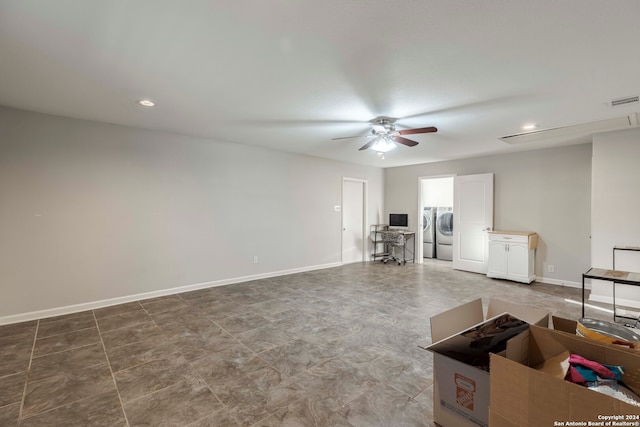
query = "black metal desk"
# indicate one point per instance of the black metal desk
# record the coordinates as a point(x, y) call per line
point(614, 276)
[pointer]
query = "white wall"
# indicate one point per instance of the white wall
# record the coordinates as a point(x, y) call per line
point(437, 192)
point(92, 212)
point(546, 191)
point(615, 209)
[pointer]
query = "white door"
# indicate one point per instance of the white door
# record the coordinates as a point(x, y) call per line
point(472, 218)
point(353, 220)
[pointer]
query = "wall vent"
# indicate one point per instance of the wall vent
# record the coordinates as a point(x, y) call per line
point(623, 101)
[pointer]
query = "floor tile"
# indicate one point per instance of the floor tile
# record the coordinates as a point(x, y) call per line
point(306, 412)
point(123, 320)
point(12, 388)
point(9, 415)
point(102, 410)
point(180, 404)
point(401, 373)
point(13, 364)
point(334, 383)
point(385, 406)
point(256, 395)
point(295, 356)
point(141, 352)
point(264, 338)
point(66, 341)
point(152, 376)
point(131, 334)
point(63, 389)
point(164, 304)
point(64, 324)
point(218, 311)
point(115, 310)
point(220, 368)
point(242, 322)
point(221, 418)
point(16, 344)
point(197, 346)
point(18, 328)
point(189, 326)
point(65, 362)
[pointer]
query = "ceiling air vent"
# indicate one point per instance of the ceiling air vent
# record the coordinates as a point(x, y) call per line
point(574, 134)
point(623, 101)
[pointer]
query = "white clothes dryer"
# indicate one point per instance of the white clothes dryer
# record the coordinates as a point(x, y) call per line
point(429, 232)
point(444, 233)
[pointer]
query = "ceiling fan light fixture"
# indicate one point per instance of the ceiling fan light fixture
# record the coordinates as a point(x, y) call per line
point(382, 145)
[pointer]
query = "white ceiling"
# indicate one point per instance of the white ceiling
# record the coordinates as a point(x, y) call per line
point(292, 74)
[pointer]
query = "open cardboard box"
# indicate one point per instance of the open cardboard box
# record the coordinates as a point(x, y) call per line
point(524, 396)
point(461, 391)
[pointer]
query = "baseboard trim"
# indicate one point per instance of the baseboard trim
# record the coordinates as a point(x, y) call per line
point(559, 282)
point(619, 301)
point(70, 309)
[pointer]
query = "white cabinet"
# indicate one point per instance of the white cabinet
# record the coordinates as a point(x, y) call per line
point(512, 255)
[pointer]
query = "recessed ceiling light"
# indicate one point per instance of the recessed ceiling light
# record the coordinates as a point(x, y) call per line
point(147, 103)
point(529, 127)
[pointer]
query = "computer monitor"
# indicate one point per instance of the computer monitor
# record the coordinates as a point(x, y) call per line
point(398, 220)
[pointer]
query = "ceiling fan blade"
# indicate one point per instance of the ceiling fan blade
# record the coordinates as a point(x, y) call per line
point(405, 141)
point(367, 145)
point(350, 137)
point(418, 130)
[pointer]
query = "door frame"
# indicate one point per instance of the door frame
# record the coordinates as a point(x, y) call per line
point(365, 216)
point(418, 236)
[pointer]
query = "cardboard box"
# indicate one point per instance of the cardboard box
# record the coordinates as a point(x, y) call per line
point(461, 390)
point(524, 396)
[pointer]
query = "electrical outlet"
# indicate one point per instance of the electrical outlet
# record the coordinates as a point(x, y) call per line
point(551, 268)
point(255, 259)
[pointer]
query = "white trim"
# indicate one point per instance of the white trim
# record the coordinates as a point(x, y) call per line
point(559, 282)
point(69, 309)
point(619, 301)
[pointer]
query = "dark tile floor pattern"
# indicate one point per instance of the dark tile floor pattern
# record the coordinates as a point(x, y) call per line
point(334, 347)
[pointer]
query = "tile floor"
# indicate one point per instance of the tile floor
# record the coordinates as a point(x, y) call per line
point(334, 347)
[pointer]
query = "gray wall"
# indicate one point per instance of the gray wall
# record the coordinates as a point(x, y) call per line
point(546, 191)
point(614, 210)
point(92, 212)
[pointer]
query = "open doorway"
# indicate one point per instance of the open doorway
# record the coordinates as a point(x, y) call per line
point(435, 203)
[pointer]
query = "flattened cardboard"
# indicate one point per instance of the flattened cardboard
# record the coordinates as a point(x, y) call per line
point(524, 396)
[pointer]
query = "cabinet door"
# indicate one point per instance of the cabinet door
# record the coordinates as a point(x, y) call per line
point(497, 258)
point(517, 260)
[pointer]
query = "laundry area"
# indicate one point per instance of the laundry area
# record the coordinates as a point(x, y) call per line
point(437, 217)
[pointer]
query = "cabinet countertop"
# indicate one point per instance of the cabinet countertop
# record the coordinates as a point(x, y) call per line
point(517, 233)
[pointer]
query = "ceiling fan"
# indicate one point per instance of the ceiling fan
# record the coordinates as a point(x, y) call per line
point(385, 136)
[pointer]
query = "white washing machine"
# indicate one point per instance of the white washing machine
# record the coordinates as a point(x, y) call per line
point(429, 233)
point(444, 233)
